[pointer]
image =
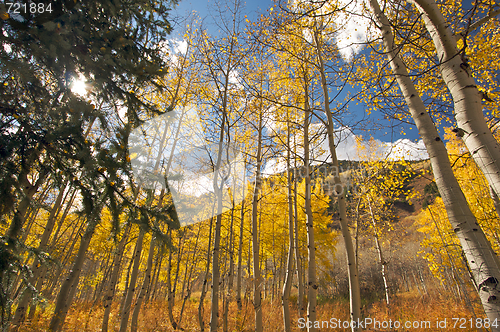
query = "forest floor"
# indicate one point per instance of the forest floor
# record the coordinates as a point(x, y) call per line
point(413, 307)
point(425, 305)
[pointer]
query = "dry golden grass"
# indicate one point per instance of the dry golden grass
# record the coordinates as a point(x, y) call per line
point(410, 306)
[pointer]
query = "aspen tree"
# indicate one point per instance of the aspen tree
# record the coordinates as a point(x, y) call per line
point(257, 279)
point(205, 277)
point(230, 249)
point(221, 59)
point(109, 294)
point(481, 258)
point(189, 276)
point(36, 266)
point(68, 288)
point(145, 284)
point(180, 84)
point(311, 246)
point(379, 183)
point(354, 290)
point(290, 261)
point(170, 293)
point(298, 260)
point(239, 268)
point(456, 73)
point(136, 259)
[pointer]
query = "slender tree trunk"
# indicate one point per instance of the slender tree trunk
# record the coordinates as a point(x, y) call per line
point(106, 267)
point(257, 279)
point(42, 273)
point(69, 285)
point(193, 263)
point(170, 293)
point(188, 292)
point(178, 267)
point(214, 318)
point(240, 251)
point(356, 235)
point(339, 191)
point(61, 221)
point(127, 282)
point(289, 266)
point(133, 280)
point(21, 213)
point(298, 261)
point(37, 266)
point(380, 254)
point(496, 201)
point(312, 286)
point(110, 293)
point(49, 290)
point(205, 279)
point(229, 291)
point(145, 284)
point(154, 289)
point(455, 70)
point(481, 259)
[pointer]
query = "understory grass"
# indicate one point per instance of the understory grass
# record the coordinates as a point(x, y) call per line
point(405, 307)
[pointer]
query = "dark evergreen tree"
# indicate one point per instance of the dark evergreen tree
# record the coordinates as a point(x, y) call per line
point(116, 46)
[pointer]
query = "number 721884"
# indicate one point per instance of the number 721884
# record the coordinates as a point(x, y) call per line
point(32, 7)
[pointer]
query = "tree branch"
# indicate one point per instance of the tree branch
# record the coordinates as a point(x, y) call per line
point(477, 24)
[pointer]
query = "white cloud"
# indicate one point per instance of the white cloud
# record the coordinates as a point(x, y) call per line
point(347, 149)
point(406, 149)
point(274, 166)
point(172, 49)
point(180, 46)
point(351, 24)
point(234, 78)
point(353, 28)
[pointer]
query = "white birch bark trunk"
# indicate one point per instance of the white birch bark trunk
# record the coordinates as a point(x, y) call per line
point(382, 261)
point(484, 148)
point(289, 264)
point(240, 248)
point(298, 262)
point(257, 280)
point(352, 266)
point(480, 257)
point(312, 286)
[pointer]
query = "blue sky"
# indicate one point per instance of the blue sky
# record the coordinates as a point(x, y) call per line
point(253, 9)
